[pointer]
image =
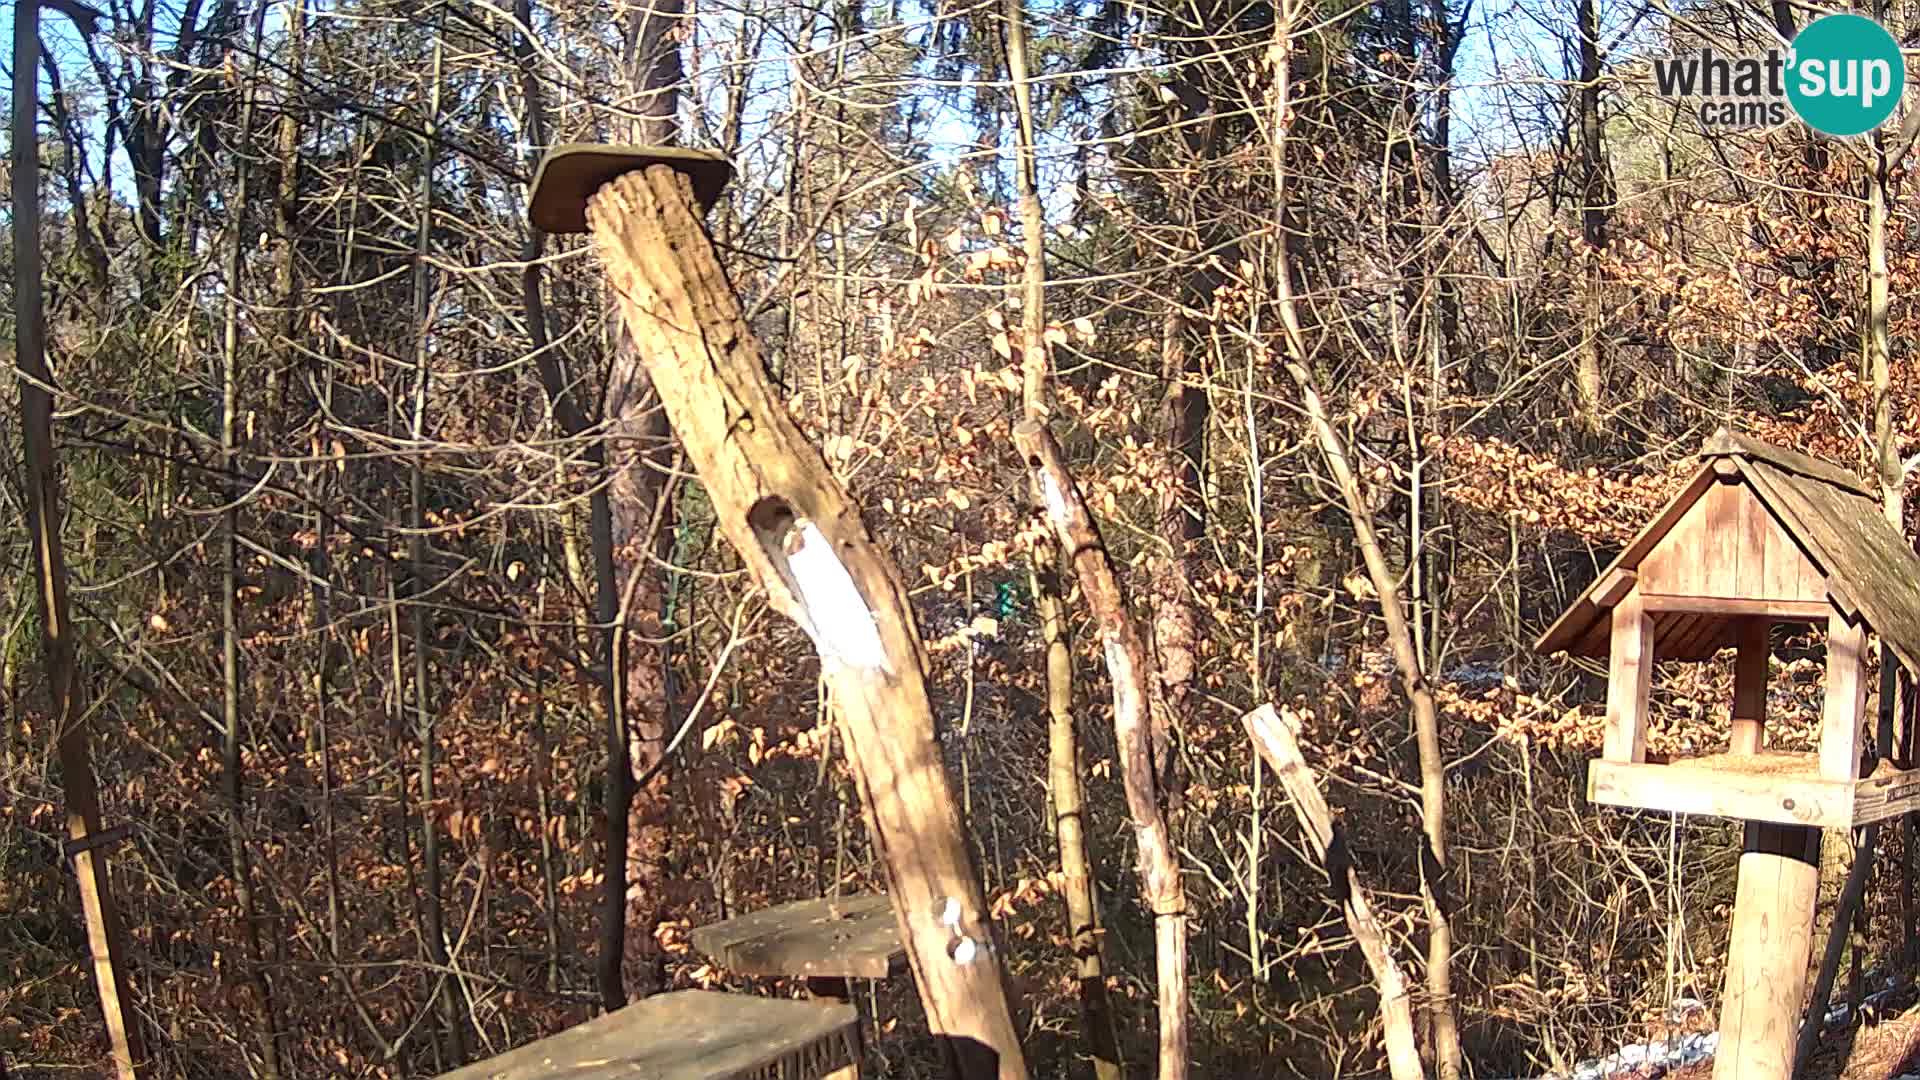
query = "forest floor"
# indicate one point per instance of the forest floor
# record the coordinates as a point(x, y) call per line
point(1887, 1050)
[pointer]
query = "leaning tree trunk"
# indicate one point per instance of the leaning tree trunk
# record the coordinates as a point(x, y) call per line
point(802, 540)
point(1276, 738)
point(1136, 687)
point(105, 939)
point(1433, 815)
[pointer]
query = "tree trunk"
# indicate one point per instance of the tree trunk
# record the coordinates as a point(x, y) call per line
point(1176, 624)
point(637, 525)
point(105, 938)
point(446, 990)
point(1063, 736)
point(1135, 686)
point(1433, 859)
point(803, 542)
point(233, 780)
point(1595, 199)
point(1276, 737)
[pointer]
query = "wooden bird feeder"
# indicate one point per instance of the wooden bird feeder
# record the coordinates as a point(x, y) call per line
point(848, 937)
point(1759, 536)
point(690, 1035)
point(826, 942)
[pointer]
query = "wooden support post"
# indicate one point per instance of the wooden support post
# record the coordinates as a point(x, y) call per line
point(1846, 699)
point(836, 989)
point(802, 539)
point(1779, 887)
point(1748, 725)
point(1631, 681)
point(1767, 956)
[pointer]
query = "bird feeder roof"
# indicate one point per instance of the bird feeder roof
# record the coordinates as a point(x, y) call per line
point(1771, 503)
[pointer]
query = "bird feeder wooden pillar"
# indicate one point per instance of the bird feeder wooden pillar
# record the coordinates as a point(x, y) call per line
point(1759, 537)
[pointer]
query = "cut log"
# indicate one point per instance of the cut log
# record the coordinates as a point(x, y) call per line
point(802, 540)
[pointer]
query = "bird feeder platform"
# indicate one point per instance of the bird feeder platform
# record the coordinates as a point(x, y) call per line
point(689, 1035)
point(1760, 536)
point(1783, 788)
point(847, 937)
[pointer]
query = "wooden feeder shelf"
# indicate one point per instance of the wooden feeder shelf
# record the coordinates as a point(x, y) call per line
point(689, 1035)
point(848, 937)
point(1783, 788)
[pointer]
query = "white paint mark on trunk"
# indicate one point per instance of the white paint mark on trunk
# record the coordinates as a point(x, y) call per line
point(1126, 703)
point(843, 625)
point(1055, 499)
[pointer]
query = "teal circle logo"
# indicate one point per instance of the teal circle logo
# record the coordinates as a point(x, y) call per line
point(1845, 75)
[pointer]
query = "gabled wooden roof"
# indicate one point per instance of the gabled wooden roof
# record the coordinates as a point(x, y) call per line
point(1836, 520)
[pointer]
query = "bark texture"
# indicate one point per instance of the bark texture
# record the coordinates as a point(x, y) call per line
point(1131, 668)
point(803, 541)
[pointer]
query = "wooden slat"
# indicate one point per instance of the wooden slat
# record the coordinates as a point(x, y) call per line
point(1845, 701)
point(1886, 796)
point(1670, 628)
point(1630, 681)
point(1675, 565)
point(1612, 586)
point(1687, 787)
point(1708, 636)
point(1718, 555)
point(853, 937)
point(1780, 610)
point(1748, 724)
point(688, 1035)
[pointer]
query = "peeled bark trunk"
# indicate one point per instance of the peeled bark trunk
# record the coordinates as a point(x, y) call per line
point(1276, 737)
point(1136, 687)
point(803, 542)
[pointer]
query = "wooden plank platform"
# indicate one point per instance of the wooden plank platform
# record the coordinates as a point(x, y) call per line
point(850, 937)
point(1783, 788)
point(689, 1035)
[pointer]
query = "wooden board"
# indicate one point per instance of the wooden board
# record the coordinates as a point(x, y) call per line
point(689, 1035)
point(1728, 545)
point(1782, 788)
point(852, 937)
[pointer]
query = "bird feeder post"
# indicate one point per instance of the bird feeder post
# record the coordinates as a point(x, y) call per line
point(802, 540)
